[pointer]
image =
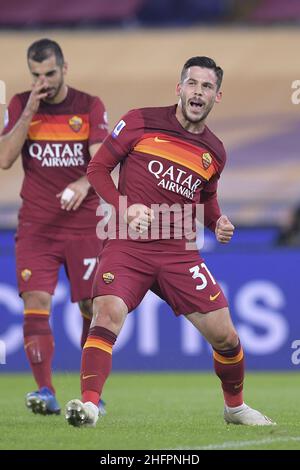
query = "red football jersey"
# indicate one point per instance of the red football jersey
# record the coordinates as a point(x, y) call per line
point(56, 153)
point(161, 162)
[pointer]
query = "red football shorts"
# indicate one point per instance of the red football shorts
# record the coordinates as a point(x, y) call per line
point(128, 269)
point(41, 250)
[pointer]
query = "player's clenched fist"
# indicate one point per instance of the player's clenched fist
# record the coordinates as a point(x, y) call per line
point(139, 217)
point(224, 229)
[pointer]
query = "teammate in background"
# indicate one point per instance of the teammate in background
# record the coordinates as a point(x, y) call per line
point(57, 129)
point(168, 156)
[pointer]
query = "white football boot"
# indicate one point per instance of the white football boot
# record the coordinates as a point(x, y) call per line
point(81, 414)
point(245, 415)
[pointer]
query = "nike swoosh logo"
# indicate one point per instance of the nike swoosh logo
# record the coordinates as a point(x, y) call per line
point(157, 139)
point(238, 386)
point(214, 297)
point(34, 123)
point(88, 376)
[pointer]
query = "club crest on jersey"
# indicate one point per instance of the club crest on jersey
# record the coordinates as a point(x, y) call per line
point(118, 128)
point(108, 277)
point(75, 123)
point(26, 274)
point(206, 160)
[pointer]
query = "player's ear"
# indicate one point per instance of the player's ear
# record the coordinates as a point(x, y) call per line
point(65, 68)
point(218, 97)
point(178, 89)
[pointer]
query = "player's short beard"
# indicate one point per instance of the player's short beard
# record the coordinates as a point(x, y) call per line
point(57, 91)
point(196, 120)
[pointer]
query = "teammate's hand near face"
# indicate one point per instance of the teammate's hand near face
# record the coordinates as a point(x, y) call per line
point(139, 217)
point(224, 229)
point(37, 94)
point(77, 192)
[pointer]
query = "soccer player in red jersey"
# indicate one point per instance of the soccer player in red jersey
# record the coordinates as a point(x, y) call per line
point(169, 158)
point(57, 129)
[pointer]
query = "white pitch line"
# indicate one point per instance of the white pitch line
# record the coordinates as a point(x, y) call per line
point(239, 444)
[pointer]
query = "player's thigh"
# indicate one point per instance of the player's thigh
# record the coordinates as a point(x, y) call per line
point(81, 261)
point(38, 260)
point(188, 285)
point(124, 274)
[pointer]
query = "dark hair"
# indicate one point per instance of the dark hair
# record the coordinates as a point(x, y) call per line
point(43, 49)
point(205, 62)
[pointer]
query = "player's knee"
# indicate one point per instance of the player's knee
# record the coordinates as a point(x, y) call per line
point(108, 312)
point(226, 340)
point(36, 300)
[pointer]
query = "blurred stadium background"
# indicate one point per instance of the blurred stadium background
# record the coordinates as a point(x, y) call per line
point(130, 53)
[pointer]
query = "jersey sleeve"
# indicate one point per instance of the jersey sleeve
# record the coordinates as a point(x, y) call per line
point(125, 134)
point(114, 149)
point(208, 197)
point(209, 194)
point(12, 114)
point(98, 122)
point(221, 160)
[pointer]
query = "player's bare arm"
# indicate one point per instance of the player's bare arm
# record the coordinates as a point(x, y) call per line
point(72, 196)
point(12, 143)
point(224, 229)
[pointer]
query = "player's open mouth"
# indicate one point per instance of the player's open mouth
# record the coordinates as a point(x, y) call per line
point(50, 92)
point(196, 104)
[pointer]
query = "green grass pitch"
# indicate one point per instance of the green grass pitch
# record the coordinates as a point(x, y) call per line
point(155, 411)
